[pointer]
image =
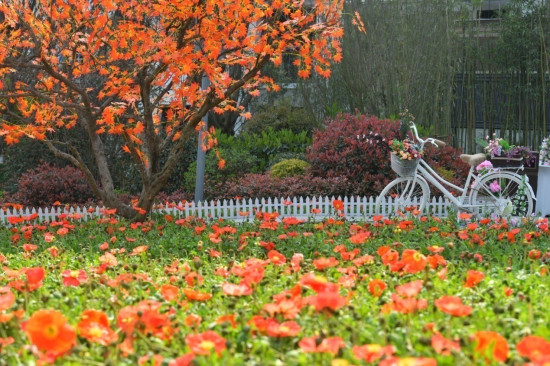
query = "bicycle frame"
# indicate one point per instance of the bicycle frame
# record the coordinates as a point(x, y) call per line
point(439, 182)
point(426, 172)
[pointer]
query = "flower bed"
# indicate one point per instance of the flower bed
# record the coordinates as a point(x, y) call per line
point(417, 290)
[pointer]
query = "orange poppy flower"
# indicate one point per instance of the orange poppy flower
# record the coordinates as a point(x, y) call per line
point(7, 298)
point(533, 347)
point(193, 320)
point(139, 249)
point(491, 345)
point(413, 261)
point(330, 300)
point(48, 330)
point(328, 345)
point(405, 305)
point(317, 283)
point(372, 352)
point(453, 305)
point(34, 277)
point(323, 263)
point(443, 346)
point(169, 292)
point(376, 287)
point(338, 205)
point(205, 343)
point(94, 326)
point(276, 258)
point(285, 329)
point(473, 278)
point(360, 238)
point(236, 290)
point(410, 289)
point(74, 278)
point(390, 257)
point(184, 360)
point(196, 295)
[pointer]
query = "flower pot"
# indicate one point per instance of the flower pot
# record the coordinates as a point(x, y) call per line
point(403, 168)
point(506, 161)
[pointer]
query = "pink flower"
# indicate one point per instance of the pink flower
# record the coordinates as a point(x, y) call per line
point(485, 165)
point(494, 187)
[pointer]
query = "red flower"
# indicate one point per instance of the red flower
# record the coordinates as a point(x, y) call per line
point(443, 346)
point(413, 261)
point(360, 238)
point(390, 257)
point(330, 300)
point(323, 263)
point(473, 278)
point(74, 278)
point(48, 330)
point(338, 205)
point(376, 287)
point(184, 360)
point(285, 329)
point(196, 295)
point(491, 345)
point(94, 326)
point(533, 347)
point(372, 352)
point(236, 290)
point(409, 289)
point(453, 305)
point(205, 343)
point(169, 292)
point(404, 305)
point(328, 345)
point(318, 283)
point(7, 298)
point(276, 258)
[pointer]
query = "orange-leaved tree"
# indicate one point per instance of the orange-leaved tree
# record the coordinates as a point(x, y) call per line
point(110, 66)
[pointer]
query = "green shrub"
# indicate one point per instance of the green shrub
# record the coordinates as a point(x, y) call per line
point(277, 158)
point(282, 115)
point(289, 168)
point(266, 145)
point(237, 163)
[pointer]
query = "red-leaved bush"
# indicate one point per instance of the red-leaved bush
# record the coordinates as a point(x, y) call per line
point(263, 185)
point(46, 184)
point(356, 147)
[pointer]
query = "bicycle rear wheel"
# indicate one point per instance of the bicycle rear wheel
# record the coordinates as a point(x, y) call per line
point(503, 194)
point(400, 194)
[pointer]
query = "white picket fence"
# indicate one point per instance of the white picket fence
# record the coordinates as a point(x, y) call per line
point(317, 208)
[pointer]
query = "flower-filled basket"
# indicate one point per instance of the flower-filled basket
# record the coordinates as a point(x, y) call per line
point(503, 155)
point(404, 157)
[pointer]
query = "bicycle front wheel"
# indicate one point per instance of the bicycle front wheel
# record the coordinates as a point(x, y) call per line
point(401, 194)
point(502, 194)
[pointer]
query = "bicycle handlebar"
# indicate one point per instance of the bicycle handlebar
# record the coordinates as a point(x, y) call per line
point(436, 142)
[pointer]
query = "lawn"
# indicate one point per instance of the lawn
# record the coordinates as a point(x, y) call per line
point(409, 291)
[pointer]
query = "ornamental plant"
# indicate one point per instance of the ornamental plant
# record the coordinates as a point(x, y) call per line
point(544, 158)
point(109, 67)
point(406, 149)
point(499, 147)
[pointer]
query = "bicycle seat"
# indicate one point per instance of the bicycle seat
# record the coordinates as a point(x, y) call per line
point(473, 160)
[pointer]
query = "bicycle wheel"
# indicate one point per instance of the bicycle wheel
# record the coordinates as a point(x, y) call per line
point(502, 194)
point(400, 194)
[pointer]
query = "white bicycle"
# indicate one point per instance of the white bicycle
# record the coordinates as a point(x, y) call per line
point(499, 192)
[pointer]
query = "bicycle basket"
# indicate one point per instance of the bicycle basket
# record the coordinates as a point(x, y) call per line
point(403, 168)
